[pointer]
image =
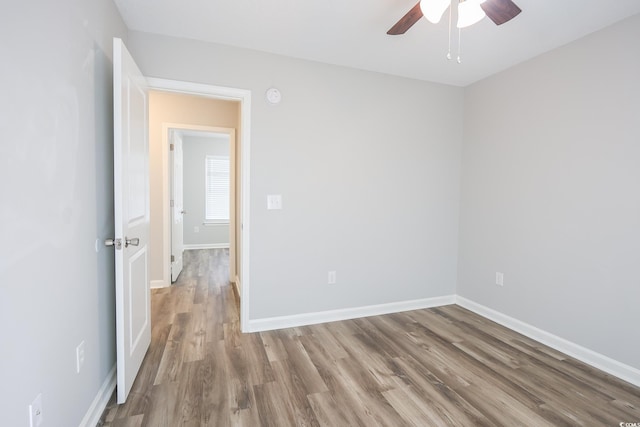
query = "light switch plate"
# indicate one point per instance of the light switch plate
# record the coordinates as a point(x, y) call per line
point(35, 412)
point(274, 201)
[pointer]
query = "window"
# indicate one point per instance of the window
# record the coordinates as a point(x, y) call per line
point(217, 189)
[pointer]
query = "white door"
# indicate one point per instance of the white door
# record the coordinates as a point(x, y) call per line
point(177, 210)
point(131, 203)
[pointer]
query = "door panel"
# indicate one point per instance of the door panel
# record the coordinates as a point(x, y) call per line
point(138, 297)
point(131, 205)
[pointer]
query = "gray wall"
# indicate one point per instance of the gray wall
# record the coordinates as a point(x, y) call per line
point(551, 192)
point(56, 170)
point(195, 150)
point(549, 195)
point(368, 166)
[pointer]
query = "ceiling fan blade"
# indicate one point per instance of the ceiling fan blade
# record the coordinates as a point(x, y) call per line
point(500, 11)
point(406, 21)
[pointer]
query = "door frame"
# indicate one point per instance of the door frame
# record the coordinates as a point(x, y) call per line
point(231, 94)
point(170, 136)
point(231, 134)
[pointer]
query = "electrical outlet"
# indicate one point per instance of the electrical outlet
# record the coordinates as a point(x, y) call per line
point(196, 229)
point(35, 412)
point(332, 278)
point(79, 356)
point(274, 201)
point(499, 279)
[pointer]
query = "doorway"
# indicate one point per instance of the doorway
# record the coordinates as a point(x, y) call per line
point(202, 169)
point(242, 99)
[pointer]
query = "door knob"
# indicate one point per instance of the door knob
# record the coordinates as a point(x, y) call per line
point(133, 242)
point(183, 212)
point(114, 242)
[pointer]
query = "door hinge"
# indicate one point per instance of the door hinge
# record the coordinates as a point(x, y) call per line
point(171, 147)
point(173, 258)
point(171, 203)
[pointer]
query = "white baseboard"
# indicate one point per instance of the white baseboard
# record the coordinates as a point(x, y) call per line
point(206, 246)
point(155, 284)
point(303, 319)
point(101, 400)
point(590, 357)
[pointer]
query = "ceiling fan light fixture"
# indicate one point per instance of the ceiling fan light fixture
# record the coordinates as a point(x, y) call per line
point(469, 13)
point(434, 9)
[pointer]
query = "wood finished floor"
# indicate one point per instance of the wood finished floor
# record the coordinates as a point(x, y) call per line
point(435, 367)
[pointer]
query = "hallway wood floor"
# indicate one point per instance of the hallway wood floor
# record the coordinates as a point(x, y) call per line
point(435, 367)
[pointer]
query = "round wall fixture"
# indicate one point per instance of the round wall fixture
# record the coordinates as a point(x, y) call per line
point(273, 96)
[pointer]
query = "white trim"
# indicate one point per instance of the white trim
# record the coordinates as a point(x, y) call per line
point(155, 284)
point(590, 357)
point(244, 96)
point(303, 319)
point(219, 92)
point(100, 402)
point(166, 208)
point(206, 246)
point(244, 226)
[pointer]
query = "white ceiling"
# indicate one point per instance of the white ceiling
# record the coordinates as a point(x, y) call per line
point(353, 32)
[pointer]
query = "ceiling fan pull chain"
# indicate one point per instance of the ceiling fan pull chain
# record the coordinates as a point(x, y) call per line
point(459, 45)
point(449, 52)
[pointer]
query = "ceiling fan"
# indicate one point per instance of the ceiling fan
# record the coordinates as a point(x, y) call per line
point(469, 12)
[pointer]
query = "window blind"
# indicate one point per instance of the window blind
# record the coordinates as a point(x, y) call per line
point(217, 188)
